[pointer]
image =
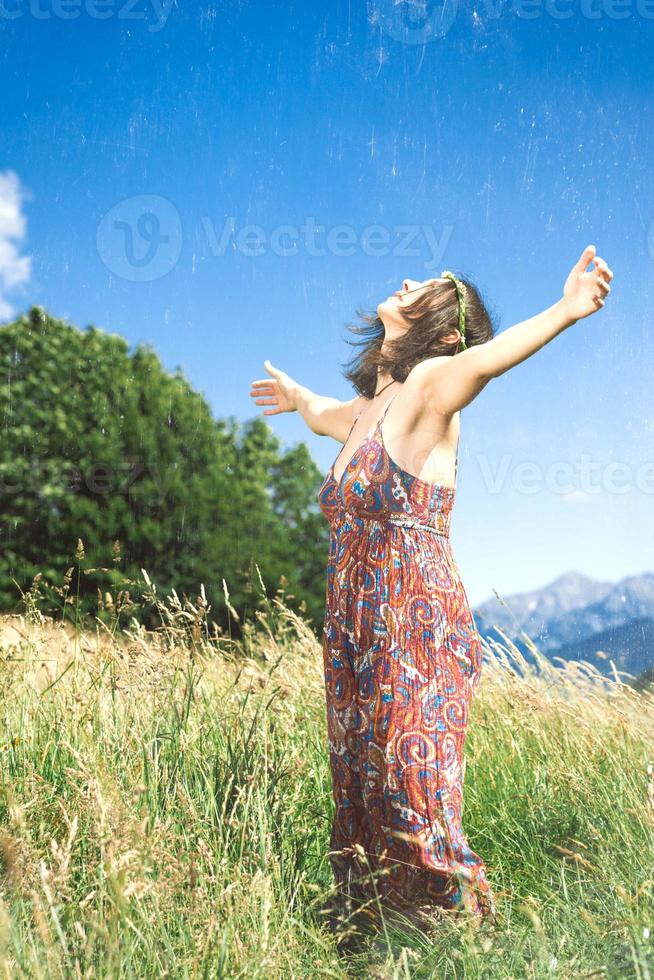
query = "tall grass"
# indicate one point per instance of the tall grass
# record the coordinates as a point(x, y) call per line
point(165, 804)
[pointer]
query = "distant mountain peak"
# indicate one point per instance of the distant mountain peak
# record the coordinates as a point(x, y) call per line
point(574, 608)
point(575, 579)
point(566, 592)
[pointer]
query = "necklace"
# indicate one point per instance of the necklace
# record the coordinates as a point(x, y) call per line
point(385, 387)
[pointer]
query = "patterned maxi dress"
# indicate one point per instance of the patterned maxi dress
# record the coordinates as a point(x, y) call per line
point(402, 661)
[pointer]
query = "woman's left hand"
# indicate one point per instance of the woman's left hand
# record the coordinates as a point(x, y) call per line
point(585, 292)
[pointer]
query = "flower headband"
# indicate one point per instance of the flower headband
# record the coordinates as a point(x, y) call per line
point(461, 297)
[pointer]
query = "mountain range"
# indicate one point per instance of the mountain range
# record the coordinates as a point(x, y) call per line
point(579, 618)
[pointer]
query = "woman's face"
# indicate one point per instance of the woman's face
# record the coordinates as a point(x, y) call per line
point(391, 311)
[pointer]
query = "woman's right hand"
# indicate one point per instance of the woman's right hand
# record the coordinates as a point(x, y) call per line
point(585, 292)
point(280, 391)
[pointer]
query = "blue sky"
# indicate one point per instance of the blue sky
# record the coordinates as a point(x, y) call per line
point(505, 137)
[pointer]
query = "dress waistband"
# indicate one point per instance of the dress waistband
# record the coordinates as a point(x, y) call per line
point(411, 522)
point(399, 520)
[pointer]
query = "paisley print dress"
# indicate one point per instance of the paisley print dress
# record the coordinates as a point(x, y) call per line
point(402, 661)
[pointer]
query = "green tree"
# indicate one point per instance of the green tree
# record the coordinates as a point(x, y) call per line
point(102, 445)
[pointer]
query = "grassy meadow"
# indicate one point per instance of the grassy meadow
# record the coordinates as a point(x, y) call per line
point(165, 803)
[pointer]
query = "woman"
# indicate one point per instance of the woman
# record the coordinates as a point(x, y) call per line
point(402, 657)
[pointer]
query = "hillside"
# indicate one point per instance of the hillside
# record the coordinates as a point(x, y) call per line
point(630, 647)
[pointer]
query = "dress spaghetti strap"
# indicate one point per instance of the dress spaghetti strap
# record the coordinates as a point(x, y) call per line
point(383, 414)
point(354, 422)
point(456, 457)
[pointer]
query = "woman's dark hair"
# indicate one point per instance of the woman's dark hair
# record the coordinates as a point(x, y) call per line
point(432, 315)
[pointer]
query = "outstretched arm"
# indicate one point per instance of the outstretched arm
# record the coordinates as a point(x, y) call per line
point(450, 383)
point(324, 415)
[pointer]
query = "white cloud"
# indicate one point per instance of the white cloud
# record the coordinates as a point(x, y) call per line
point(15, 268)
